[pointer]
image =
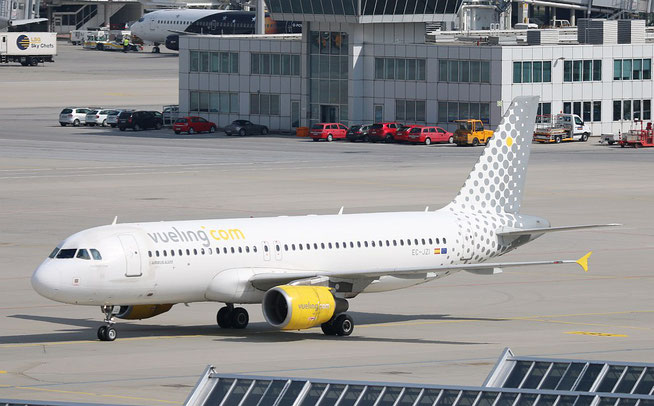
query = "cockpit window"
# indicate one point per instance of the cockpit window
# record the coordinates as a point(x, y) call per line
point(141, 19)
point(54, 253)
point(96, 254)
point(67, 253)
point(83, 254)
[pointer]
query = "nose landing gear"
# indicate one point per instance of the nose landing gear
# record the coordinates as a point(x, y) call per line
point(107, 332)
point(232, 317)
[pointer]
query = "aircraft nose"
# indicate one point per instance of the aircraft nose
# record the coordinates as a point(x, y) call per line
point(46, 280)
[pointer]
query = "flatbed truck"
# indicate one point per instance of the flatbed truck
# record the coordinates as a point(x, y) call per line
point(560, 127)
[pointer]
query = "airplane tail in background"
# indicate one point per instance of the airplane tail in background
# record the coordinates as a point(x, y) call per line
point(497, 181)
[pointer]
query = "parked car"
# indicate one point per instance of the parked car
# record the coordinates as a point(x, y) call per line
point(140, 120)
point(170, 114)
point(383, 131)
point(73, 115)
point(98, 117)
point(112, 117)
point(193, 124)
point(358, 133)
point(328, 131)
point(402, 134)
point(245, 127)
point(427, 135)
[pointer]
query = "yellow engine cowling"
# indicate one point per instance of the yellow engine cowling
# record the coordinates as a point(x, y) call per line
point(289, 307)
point(139, 312)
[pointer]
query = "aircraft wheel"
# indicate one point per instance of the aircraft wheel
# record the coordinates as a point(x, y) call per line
point(343, 325)
point(110, 334)
point(102, 331)
point(224, 317)
point(328, 329)
point(240, 318)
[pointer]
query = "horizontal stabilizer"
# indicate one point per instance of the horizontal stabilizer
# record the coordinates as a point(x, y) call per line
point(515, 232)
point(14, 23)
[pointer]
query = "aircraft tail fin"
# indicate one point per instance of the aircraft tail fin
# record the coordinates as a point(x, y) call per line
point(497, 180)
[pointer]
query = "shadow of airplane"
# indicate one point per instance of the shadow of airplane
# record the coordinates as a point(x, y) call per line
point(84, 329)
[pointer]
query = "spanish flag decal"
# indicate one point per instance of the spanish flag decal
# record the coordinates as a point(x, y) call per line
point(438, 251)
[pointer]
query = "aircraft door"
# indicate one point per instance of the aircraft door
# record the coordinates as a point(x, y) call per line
point(153, 25)
point(266, 250)
point(132, 255)
point(3, 44)
point(278, 250)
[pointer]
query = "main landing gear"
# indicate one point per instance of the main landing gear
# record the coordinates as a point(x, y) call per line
point(107, 332)
point(340, 325)
point(232, 317)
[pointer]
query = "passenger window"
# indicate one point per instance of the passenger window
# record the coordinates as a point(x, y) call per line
point(444, 240)
point(150, 254)
point(359, 244)
point(96, 254)
point(83, 254)
point(388, 243)
point(225, 250)
point(54, 253)
point(415, 241)
point(232, 249)
point(380, 243)
point(351, 244)
point(402, 242)
point(247, 249)
point(285, 247)
point(240, 250)
point(438, 241)
point(254, 249)
point(329, 245)
point(188, 252)
point(165, 253)
point(322, 245)
point(408, 241)
point(209, 249)
point(394, 243)
point(195, 252)
point(430, 242)
point(265, 248)
point(67, 253)
point(308, 246)
point(172, 253)
point(293, 247)
point(156, 253)
point(276, 248)
point(299, 246)
point(315, 246)
point(337, 246)
point(202, 251)
point(365, 243)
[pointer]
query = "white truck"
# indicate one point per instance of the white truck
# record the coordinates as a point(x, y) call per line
point(561, 127)
point(28, 48)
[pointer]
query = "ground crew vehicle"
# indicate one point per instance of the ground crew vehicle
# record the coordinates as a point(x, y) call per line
point(471, 132)
point(638, 137)
point(28, 48)
point(560, 127)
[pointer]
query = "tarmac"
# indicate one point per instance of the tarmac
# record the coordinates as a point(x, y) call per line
point(55, 181)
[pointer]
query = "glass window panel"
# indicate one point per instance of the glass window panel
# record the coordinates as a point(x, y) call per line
point(286, 65)
point(351, 395)
point(291, 393)
point(636, 110)
point(588, 70)
point(334, 91)
point(586, 111)
point(224, 102)
point(610, 378)
point(400, 69)
point(597, 70)
point(420, 111)
point(334, 67)
point(324, 66)
point(273, 392)
point(338, 7)
point(332, 394)
point(335, 39)
point(526, 72)
point(324, 91)
point(344, 39)
point(527, 399)
point(452, 111)
point(555, 374)
point(327, 7)
point(475, 71)
point(547, 71)
point(428, 397)
point(626, 69)
point(389, 69)
point(567, 71)
point(467, 398)
point(275, 64)
point(536, 375)
point(647, 109)
point(442, 112)
point(547, 108)
point(296, 6)
point(274, 104)
point(314, 394)
point(237, 393)
point(214, 102)
point(442, 70)
point(410, 7)
point(314, 91)
point(400, 112)
point(368, 7)
point(646, 382)
point(506, 399)
point(194, 104)
point(422, 69)
point(517, 374)
point(370, 395)
point(264, 104)
point(195, 61)
point(576, 71)
point(617, 69)
point(626, 110)
point(485, 72)
point(448, 397)
point(637, 69)
point(379, 68)
point(316, 5)
point(464, 69)
point(204, 101)
point(597, 111)
point(617, 111)
point(219, 391)
point(547, 400)
point(410, 111)
point(234, 105)
point(224, 62)
point(286, 6)
point(629, 379)
point(453, 75)
point(464, 111)
point(255, 394)
point(389, 397)
point(344, 67)
point(537, 75)
point(628, 402)
point(215, 62)
point(254, 64)
point(343, 92)
point(314, 42)
point(204, 61)
point(647, 69)
point(486, 399)
point(265, 64)
point(409, 397)
point(484, 112)
point(411, 69)
point(584, 400)
point(295, 65)
point(588, 378)
point(474, 110)
point(315, 66)
point(324, 42)
point(234, 62)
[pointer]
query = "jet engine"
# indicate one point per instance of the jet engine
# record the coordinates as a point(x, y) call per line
point(139, 312)
point(289, 307)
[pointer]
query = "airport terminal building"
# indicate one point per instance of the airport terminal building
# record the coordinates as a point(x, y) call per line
point(359, 63)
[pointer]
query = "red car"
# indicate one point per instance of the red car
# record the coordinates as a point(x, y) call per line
point(427, 135)
point(193, 124)
point(328, 131)
point(383, 131)
point(402, 134)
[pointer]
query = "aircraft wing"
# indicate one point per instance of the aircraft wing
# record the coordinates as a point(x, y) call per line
point(29, 21)
point(183, 32)
point(515, 232)
point(265, 281)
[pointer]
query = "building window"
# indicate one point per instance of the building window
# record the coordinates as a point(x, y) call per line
point(632, 110)
point(586, 111)
point(632, 69)
point(264, 104)
point(451, 111)
point(532, 72)
point(647, 109)
point(410, 110)
point(214, 102)
point(597, 111)
point(544, 109)
point(399, 69)
point(465, 71)
point(577, 71)
point(617, 112)
point(274, 64)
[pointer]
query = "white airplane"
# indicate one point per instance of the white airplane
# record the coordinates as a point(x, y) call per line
point(10, 12)
point(303, 269)
point(165, 26)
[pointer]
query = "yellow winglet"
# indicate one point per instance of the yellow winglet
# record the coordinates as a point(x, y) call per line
point(583, 261)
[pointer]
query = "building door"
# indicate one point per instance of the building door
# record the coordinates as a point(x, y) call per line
point(132, 255)
point(379, 113)
point(328, 113)
point(295, 114)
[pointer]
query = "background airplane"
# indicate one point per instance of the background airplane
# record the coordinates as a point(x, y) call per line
point(303, 269)
point(165, 26)
point(12, 14)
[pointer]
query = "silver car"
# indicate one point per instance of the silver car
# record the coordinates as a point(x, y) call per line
point(112, 118)
point(73, 115)
point(98, 117)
